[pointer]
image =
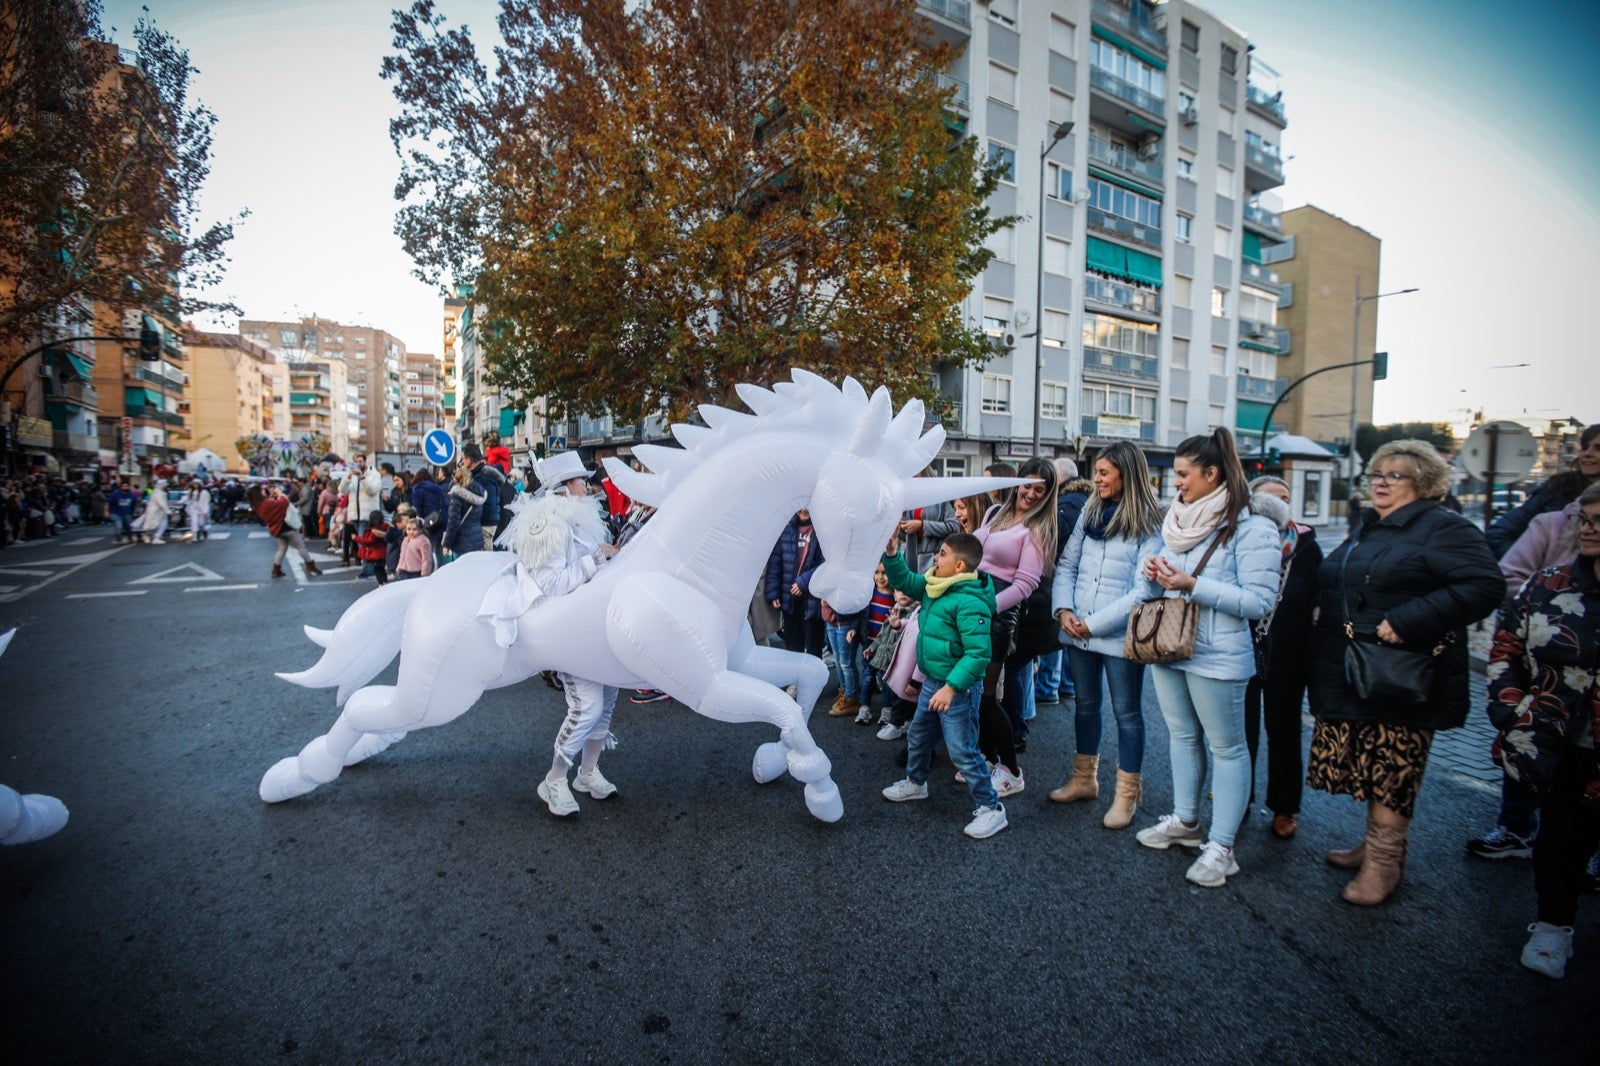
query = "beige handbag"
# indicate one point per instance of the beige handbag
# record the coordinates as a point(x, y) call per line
point(1163, 630)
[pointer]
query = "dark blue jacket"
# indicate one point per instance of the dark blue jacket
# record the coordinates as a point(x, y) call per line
point(464, 533)
point(489, 481)
point(428, 497)
point(1069, 505)
point(781, 569)
point(1503, 532)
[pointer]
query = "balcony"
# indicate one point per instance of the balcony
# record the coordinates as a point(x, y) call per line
point(72, 392)
point(1253, 388)
point(961, 99)
point(1119, 427)
point(1261, 276)
point(1121, 296)
point(947, 411)
point(76, 442)
point(1127, 229)
point(1127, 92)
point(1120, 364)
point(950, 20)
point(1137, 26)
point(1268, 105)
point(1115, 156)
point(1263, 166)
point(1264, 222)
point(1263, 336)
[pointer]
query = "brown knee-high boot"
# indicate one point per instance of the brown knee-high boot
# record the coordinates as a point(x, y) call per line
point(1384, 862)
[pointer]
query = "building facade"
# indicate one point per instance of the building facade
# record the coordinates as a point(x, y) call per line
point(367, 411)
point(422, 393)
point(231, 393)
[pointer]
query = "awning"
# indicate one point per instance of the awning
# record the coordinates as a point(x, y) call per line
point(509, 417)
point(1251, 417)
point(1252, 247)
point(136, 396)
point(1124, 263)
point(1144, 268)
point(1128, 46)
point(79, 367)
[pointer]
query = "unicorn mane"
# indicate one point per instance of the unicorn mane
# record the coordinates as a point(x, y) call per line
point(541, 525)
point(808, 402)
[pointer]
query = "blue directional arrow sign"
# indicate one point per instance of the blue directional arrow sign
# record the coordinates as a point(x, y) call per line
point(439, 447)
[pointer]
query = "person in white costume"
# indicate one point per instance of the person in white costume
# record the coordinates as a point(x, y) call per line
point(560, 543)
point(197, 505)
point(30, 817)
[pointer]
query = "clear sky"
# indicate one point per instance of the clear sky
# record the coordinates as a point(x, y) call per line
point(1460, 132)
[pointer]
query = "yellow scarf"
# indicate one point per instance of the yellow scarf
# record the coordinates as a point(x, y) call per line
point(937, 586)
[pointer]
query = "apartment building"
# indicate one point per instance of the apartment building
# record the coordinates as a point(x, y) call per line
point(422, 389)
point(230, 393)
point(368, 406)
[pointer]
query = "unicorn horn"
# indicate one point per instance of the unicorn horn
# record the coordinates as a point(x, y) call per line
point(927, 491)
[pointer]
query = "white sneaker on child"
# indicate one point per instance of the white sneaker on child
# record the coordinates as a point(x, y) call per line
point(558, 797)
point(986, 822)
point(865, 715)
point(890, 731)
point(1548, 949)
point(1005, 782)
point(905, 789)
point(591, 782)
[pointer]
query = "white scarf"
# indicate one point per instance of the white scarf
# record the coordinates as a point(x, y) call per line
point(1187, 524)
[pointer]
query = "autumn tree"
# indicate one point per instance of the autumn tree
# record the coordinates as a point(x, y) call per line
point(658, 204)
point(101, 166)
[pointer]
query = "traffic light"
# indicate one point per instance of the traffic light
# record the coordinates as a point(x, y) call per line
point(1380, 366)
point(1274, 457)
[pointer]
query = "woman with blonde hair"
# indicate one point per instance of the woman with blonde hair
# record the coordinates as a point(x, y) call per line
point(1389, 652)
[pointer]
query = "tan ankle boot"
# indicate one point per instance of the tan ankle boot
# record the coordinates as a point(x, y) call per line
point(844, 707)
point(1380, 871)
point(1082, 785)
point(1129, 792)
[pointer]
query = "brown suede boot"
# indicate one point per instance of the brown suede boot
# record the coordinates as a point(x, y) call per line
point(1380, 872)
point(844, 706)
point(277, 571)
point(1129, 792)
point(1349, 858)
point(311, 568)
point(1082, 785)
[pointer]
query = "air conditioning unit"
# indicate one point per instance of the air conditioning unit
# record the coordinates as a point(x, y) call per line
point(1009, 340)
point(1188, 116)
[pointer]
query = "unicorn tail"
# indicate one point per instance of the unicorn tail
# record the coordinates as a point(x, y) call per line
point(366, 639)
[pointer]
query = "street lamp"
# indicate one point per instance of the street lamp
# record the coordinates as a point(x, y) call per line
point(1355, 369)
point(1056, 138)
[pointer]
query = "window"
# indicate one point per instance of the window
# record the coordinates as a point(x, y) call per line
point(1060, 108)
point(1059, 182)
point(1003, 11)
point(1223, 242)
point(1003, 243)
point(1230, 59)
point(996, 315)
point(1253, 140)
point(1053, 331)
point(1311, 495)
point(1185, 100)
point(1128, 68)
point(1055, 255)
point(1219, 360)
point(1219, 302)
point(1178, 416)
point(1122, 400)
point(1063, 37)
point(950, 466)
point(1190, 36)
point(1006, 157)
point(1186, 167)
point(1115, 200)
point(1180, 355)
point(1002, 85)
point(1181, 290)
point(1218, 414)
point(1183, 228)
point(1052, 400)
point(996, 394)
point(1225, 119)
point(1121, 335)
point(1224, 181)
point(1258, 306)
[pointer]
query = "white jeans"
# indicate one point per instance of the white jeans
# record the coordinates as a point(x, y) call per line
point(589, 707)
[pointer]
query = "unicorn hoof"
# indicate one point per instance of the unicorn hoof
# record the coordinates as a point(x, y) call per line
point(823, 800)
point(285, 781)
point(770, 762)
point(371, 744)
point(809, 766)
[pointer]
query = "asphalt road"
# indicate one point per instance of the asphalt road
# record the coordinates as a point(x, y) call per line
point(426, 907)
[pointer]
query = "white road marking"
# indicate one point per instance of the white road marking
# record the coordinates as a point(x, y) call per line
point(220, 588)
point(72, 564)
point(166, 577)
point(224, 535)
point(11, 571)
point(259, 535)
point(104, 595)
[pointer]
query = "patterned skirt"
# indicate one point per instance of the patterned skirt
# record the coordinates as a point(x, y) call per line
point(1373, 762)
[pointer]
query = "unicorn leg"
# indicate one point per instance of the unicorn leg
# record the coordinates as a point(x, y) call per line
point(318, 763)
point(735, 697)
point(374, 718)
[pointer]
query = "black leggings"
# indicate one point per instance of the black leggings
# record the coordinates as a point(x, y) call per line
point(996, 739)
point(1281, 693)
point(1569, 830)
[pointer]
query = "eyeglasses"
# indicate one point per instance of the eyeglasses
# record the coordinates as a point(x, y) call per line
point(1392, 477)
point(1584, 521)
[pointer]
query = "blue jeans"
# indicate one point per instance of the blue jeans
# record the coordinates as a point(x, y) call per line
point(1016, 695)
point(1050, 682)
point(847, 656)
point(124, 525)
point(1202, 708)
point(959, 726)
point(1125, 679)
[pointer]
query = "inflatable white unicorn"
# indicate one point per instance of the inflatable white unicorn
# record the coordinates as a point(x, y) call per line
point(669, 612)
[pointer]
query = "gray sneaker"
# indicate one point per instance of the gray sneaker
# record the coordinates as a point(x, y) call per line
point(905, 789)
point(1170, 830)
point(1214, 866)
point(558, 797)
point(986, 822)
point(1548, 949)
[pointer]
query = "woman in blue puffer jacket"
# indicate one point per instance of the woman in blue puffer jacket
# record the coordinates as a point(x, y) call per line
point(1097, 583)
point(1202, 698)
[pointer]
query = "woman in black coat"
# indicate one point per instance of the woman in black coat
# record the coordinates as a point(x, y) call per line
point(1411, 577)
point(1285, 651)
point(1553, 495)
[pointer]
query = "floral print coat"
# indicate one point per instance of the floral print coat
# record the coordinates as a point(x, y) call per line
point(1543, 670)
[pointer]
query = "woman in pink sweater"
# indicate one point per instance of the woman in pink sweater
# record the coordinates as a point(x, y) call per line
point(1019, 550)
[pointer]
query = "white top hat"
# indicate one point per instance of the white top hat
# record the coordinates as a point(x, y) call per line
point(560, 468)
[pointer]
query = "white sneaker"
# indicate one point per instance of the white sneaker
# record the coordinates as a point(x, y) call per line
point(1168, 831)
point(591, 782)
point(1214, 866)
point(1005, 782)
point(891, 731)
point(986, 822)
point(1548, 949)
point(558, 797)
point(905, 789)
point(865, 716)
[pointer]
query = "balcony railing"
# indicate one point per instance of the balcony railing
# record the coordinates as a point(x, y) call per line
point(1268, 161)
point(1256, 274)
point(1121, 295)
point(1119, 158)
point(1122, 364)
point(1106, 81)
point(1271, 103)
point(1253, 388)
point(1263, 335)
point(76, 442)
point(962, 99)
point(1122, 227)
point(1140, 27)
point(957, 11)
point(1119, 427)
point(72, 392)
point(1262, 218)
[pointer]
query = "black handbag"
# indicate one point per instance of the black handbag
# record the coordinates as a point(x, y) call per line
point(1038, 632)
point(1375, 670)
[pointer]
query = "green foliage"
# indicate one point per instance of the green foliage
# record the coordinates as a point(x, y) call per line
point(1370, 438)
